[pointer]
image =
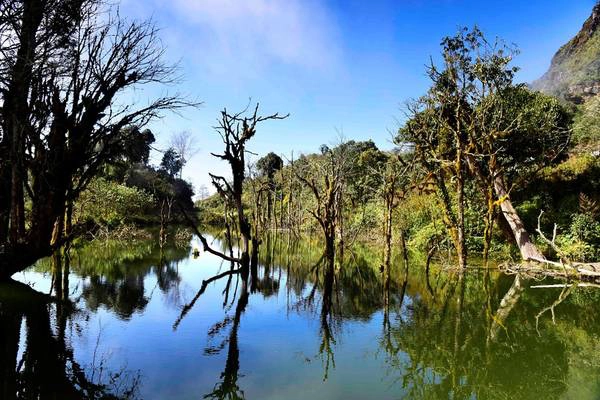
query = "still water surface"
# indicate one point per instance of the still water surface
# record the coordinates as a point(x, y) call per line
point(135, 326)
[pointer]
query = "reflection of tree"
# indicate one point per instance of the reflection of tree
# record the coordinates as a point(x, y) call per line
point(312, 277)
point(438, 326)
point(443, 350)
point(508, 302)
point(124, 297)
point(324, 276)
point(228, 388)
point(327, 338)
point(116, 273)
point(387, 342)
point(167, 275)
point(47, 367)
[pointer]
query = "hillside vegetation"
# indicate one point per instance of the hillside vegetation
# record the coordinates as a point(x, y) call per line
point(574, 73)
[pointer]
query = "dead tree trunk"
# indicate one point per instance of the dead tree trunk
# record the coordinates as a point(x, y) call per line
point(387, 255)
point(461, 248)
point(326, 194)
point(528, 249)
point(165, 217)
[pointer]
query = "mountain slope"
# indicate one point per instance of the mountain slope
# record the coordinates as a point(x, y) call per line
point(574, 73)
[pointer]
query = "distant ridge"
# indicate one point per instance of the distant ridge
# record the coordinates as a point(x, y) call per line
point(574, 73)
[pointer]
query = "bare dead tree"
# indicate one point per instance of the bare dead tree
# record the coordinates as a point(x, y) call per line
point(259, 189)
point(166, 207)
point(235, 131)
point(185, 144)
point(395, 181)
point(325, 177)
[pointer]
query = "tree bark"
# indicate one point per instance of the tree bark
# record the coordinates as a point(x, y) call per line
point(461, 248)
point(523, 240)
point(387, 255)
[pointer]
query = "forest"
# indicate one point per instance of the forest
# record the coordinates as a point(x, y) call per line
point(483, 166)
point(486, 173)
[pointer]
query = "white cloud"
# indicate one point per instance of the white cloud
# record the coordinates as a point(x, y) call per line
point(230, 50)
point(252, 34)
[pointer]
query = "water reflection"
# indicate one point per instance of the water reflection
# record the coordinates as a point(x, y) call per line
point(451, 352)
point(114, 274)
point(461, 336)
point(322, 289)
point(41, 364)
point(228, 387)
point(37, 360)
point(335, 329)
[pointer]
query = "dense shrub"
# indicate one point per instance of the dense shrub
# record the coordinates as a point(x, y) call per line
point(110, 203)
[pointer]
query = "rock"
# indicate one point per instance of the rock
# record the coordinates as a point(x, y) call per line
point(574, 73)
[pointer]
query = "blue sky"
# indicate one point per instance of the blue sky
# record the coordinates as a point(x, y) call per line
point(335, 66)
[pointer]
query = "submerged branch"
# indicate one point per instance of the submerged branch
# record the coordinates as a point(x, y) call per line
point(205, 245)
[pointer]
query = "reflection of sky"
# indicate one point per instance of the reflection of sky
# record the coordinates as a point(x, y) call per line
point(278, 349)
point(279, 344)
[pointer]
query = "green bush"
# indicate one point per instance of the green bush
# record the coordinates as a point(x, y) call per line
point(585, 228)
point(586, 125)
point(581, 242)
point(576, 249)
point(111, 204)
point(421, 238)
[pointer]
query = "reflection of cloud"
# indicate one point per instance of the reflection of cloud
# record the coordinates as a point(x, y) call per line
point(250, 34)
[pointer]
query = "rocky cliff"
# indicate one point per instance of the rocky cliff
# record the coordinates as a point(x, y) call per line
point(574, 73)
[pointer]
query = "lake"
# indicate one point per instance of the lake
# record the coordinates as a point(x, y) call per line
point(133, 324)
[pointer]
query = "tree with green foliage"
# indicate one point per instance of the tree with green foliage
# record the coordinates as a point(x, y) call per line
point(363, 170)
point(268, 167)
point(137, 145)
point(171, 162)
point(136, 149)
point(518, 132)
point(437, 129)
point(475, 123)
point(65, 65)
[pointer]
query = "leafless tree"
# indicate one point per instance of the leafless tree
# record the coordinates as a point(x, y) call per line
point(235, 131)
point(394, 176)
point(185, 144)
point(203, 192)
point(326, 178)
